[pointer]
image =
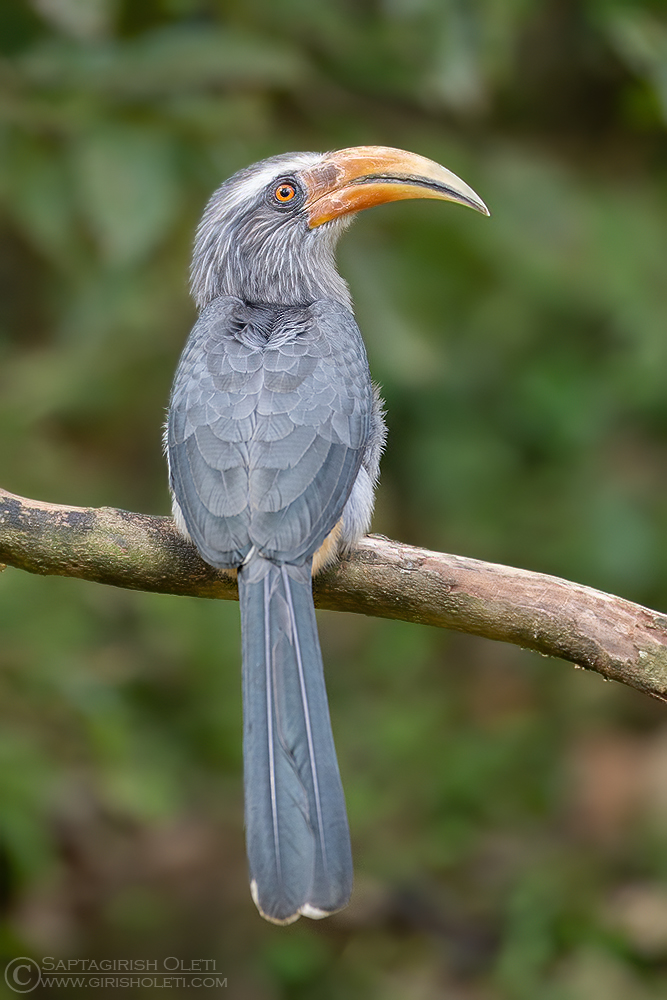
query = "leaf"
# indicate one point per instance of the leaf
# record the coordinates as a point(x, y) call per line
point(164, 62)
point(38, 192)
point(640, 39)
point(85, 19)
point(128, 189)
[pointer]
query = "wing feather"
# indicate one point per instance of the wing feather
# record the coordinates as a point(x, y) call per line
point(269, 419)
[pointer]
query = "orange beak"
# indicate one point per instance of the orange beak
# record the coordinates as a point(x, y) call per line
point(353, 179)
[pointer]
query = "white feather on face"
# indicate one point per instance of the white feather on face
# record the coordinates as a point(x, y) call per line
point(247, 249)
point(245, 185)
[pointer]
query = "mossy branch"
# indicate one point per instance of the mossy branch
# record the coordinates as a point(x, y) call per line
point(620, 640)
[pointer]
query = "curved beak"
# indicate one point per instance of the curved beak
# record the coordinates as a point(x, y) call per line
point(350, 180)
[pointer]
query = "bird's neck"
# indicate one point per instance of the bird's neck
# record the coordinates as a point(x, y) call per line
point(280, 271)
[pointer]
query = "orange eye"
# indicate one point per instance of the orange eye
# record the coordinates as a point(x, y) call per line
point(285, 192)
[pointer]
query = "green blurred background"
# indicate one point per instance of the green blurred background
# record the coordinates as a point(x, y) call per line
point(508, 813)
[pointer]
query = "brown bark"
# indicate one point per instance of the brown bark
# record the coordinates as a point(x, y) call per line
point(618, 639)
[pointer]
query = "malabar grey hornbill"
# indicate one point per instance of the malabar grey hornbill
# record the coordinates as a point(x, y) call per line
point(274, 437)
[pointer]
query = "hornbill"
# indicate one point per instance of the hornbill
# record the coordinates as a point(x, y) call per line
point(273, 438)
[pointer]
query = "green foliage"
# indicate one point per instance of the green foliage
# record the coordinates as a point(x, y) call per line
point(504, 810)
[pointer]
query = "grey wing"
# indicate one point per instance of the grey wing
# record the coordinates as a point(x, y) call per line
point(265, 440)
point(358, 510)
point(210, 497)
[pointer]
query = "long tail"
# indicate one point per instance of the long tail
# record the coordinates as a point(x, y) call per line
point(297, 836)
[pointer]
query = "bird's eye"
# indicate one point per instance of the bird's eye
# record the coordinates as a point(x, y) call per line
point(284, 192)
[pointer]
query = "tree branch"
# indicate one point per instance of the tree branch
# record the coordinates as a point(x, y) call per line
point(620, 640)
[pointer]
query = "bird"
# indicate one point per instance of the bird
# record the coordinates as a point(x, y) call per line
point(273, 440)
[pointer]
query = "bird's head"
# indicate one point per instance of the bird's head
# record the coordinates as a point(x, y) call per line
point(269, 232)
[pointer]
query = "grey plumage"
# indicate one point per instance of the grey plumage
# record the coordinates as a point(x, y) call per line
point(274, 438)
point(244, 247)
point(296, 826)
point(271, 417)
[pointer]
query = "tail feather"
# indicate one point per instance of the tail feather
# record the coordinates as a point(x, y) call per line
point(296, 825)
